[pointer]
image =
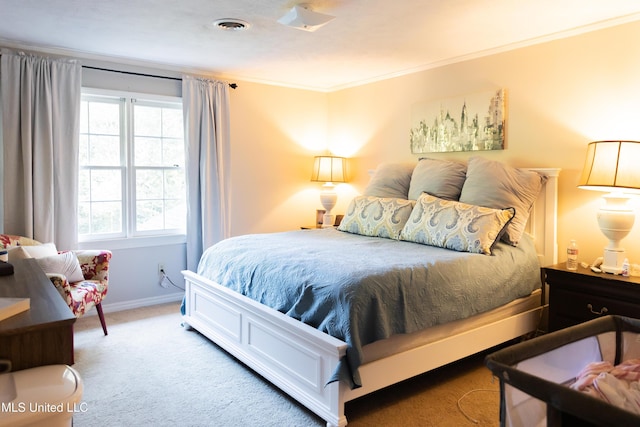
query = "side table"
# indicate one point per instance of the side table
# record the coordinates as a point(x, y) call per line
point(581, 295)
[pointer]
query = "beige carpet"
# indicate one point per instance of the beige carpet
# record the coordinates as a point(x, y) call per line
point(151, 371)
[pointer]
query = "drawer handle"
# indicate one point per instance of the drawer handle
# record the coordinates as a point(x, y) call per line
point(602, 311)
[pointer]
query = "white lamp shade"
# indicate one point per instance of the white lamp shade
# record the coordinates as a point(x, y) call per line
point(329, 169)
point(612, 166)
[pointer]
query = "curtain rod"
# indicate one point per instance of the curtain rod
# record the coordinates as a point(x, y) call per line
point(231, 85)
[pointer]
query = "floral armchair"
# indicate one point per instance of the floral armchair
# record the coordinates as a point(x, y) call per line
point(81, 295)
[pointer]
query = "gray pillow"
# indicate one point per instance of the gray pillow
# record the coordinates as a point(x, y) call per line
point(499, 186)
point(390, 180)
point(440, 178)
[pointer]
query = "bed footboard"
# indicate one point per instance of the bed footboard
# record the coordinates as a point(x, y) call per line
point(300, 359)
point(290, 354)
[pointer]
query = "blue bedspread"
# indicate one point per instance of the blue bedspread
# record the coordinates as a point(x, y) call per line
point(362, 289)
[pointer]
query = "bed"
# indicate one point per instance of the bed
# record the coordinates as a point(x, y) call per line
point(322, 371)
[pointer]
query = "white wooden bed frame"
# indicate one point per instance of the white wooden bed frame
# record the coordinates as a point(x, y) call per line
point(299, 359)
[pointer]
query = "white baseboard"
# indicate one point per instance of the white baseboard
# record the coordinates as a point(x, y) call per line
point(144, 302)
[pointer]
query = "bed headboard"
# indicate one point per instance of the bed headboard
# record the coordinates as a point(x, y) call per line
point(543, 220)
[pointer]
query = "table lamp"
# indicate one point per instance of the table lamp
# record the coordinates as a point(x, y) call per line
point(613, 166)
point(329, 169)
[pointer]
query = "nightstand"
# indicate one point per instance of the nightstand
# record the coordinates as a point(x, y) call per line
point(335, 224)
point(581, 295)
point(311, 227)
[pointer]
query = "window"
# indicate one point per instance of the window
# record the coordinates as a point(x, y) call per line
point(132, 177)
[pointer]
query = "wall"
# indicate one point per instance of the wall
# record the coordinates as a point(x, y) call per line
point(561, 96)
point(275, 132)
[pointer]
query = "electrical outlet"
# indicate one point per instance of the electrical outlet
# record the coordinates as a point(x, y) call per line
point(162, 275)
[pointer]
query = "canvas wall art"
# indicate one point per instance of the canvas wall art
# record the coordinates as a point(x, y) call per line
point(467, 123)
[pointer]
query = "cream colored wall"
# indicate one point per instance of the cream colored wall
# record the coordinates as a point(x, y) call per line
point(275, 132)
point(561, 95)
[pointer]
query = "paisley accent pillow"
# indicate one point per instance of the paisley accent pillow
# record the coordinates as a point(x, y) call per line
point(376, 216)
point(455, 225)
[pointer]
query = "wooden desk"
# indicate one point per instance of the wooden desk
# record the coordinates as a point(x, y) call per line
point(42, 335)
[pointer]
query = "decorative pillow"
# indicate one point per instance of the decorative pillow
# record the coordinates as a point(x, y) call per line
point(496, 185)
point(390, 180)
point(440, 178)
point(15, 253)
point(376, 216)
point(454, 225)
point(65, 263)
point(40, 251)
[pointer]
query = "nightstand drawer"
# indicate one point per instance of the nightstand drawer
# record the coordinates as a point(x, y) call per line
point(570, 308)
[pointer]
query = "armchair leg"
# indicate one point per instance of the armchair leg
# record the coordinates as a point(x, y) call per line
point(101, 316)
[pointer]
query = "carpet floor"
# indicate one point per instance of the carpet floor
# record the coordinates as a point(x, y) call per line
point(151, 371)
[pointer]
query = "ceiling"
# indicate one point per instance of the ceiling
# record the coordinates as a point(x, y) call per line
point(368, 40)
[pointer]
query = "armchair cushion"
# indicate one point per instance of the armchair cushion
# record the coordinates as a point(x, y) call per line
point(80, 296)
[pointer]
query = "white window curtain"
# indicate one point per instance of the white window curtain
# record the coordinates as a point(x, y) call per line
point(205, 106)
point(40, 122)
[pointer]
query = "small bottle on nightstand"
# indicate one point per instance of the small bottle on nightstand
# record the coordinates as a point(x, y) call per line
point(625, 268)
point(572, 256)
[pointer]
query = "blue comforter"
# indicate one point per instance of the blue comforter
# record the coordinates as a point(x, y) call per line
point(363, 289)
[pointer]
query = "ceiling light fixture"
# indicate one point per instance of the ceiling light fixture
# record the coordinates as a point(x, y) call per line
point(231, 24)
point(303, 18)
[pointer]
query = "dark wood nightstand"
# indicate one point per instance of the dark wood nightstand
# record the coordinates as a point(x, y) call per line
point(578, 296)
point(335, 224)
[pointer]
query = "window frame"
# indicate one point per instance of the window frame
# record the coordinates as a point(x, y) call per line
point(130, 237)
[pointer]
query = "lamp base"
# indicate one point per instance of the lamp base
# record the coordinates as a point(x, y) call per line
point(613, 259)
point(328, 198)
point(328, 220)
